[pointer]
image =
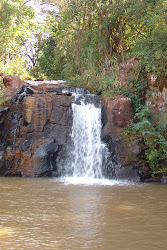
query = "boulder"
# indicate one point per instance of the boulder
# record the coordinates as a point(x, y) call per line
point(11, 81)
point(129, 173)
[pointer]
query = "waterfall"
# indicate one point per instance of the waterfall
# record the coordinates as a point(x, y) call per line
point(86, 131)
point(86, 154)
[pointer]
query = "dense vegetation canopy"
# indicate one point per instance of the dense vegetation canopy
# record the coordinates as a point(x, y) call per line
point(83, 37)
point(85, 42)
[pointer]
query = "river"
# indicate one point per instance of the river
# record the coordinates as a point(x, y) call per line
point(62, 214)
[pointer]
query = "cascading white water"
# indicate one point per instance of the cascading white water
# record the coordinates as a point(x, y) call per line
point(86, 154)
point(88, 148)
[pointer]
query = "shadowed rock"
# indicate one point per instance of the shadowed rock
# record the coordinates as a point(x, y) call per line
point(117, 114)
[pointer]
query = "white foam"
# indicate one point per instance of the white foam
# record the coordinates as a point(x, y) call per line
point(92, 181)
point(46, 82)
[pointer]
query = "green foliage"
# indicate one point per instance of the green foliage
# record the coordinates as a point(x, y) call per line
point(90, 33)
point(151, 46)
point(86, 35)
point(81, 37)
point(153, 137)
point(136, 93)
point(135, 89)
point(50, 63)
point(15, 66)
point(14, 16)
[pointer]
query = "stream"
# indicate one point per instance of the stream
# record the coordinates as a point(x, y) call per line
point(60, 214)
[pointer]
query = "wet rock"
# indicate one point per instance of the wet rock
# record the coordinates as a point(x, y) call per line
point(119, 111)
point(36, 112)
point(54, 88)
point(116, 116)
point(3, 113)
point(128, 173)
point(43, 156)
point(1, 155)
point(33, 127)
point(164, 179)
point(28, 108)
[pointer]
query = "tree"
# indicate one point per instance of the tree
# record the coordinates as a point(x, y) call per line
point(89, 34)
point(14, 16)
point(148, 24)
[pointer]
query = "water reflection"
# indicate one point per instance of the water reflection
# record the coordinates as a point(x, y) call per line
point(47, 214)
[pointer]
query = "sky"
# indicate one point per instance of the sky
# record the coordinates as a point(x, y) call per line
point(40, 9)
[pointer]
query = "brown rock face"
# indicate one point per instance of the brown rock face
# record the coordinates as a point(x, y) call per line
point(12, 84)
point(119, 113)
point(33, 128)
point(12, 81)
point(156, 100)
point(117, 116)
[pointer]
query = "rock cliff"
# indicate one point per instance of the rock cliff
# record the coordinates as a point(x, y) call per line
point(34, 125)
point(117, 114)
